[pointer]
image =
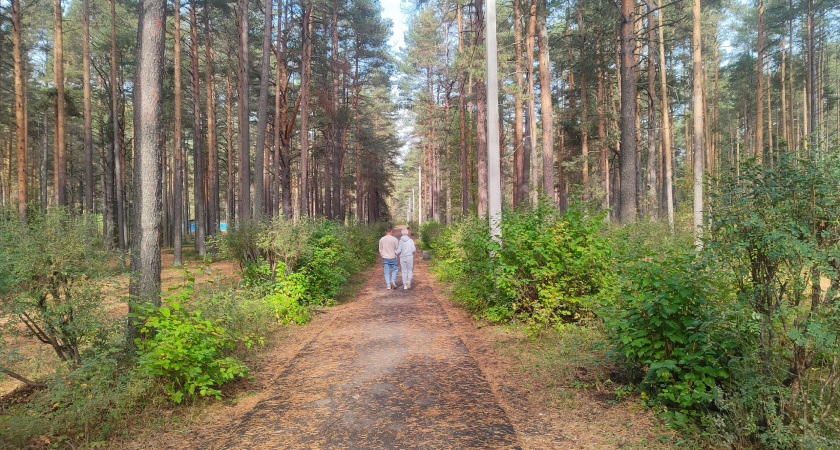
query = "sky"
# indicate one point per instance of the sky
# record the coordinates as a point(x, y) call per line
point(392, 9)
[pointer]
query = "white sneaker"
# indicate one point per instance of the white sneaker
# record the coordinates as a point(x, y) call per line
point(405, 286)
point(408, 285)
point(388, 287)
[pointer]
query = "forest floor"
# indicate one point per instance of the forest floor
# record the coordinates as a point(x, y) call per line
point(403, 369)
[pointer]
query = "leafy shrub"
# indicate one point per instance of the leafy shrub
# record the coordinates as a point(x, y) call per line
point(48, 286)
point(430, 234)
point(547, 267)
point(667, 324)
point(552, 265)
point(187, 351)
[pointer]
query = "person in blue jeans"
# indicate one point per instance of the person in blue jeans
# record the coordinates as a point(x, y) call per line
point(388, 251)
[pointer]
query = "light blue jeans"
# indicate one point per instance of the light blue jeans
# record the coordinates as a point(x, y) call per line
point(390, 267)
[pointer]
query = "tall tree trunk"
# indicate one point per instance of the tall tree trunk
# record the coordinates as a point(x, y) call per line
point(520, 188)
point(584, 115)
point(338, 126)
point(230, 200)
point(262, 113)
point(545, 105)
point(666, 124)
point(481, 115)
point(306, 70)
point(783, 111)
point(650, 188)
point(212, 142)
point(759, 91)
point(118, 185)
point(88, 139)
point(144, 284)
point(494, 192)
point(43, 174)
point(61, 116)
point(532, 111)
point(177, 184)
point(698, 112)
point(603, 149)
point(627, 160)
point(811, 76)
point(279, 105)
point(461, 117)
point(198, 153)
point(244, 203)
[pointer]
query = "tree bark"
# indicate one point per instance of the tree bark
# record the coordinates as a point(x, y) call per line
point(306, 70)
point(697, 142)
point(532, 111)
point(461, 118)
point(666, 124)
point(198, 153)
point(520, 186)
point(88, 139)
point(230, 200)
point(759, 91)
point(61, 116)
point(118, 185)
point(144, 284)
point(212, 141)
point(177, 184)
point(584, 115)
point(650, 187)
point(481, 116)
point(244, 203)
point(627, 159)
point(545, 105)
point(262, 114)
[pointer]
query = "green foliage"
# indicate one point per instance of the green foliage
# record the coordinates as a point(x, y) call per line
point(48, 293)
point(430, 234)
point(547, 267)
point(776, 227)
point(666, 324)
point(187, 351)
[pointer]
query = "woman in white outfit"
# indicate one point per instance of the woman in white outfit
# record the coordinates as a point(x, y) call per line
point(405, 251)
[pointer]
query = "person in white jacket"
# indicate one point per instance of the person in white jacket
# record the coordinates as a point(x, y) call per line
point(405, 251)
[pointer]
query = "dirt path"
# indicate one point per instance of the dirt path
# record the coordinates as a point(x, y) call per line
point(387, 370)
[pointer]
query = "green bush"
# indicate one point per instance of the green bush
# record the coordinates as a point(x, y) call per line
point(49, 284)
point(187, 351)
point(546, 268)
point(430, 234)
point(667, 323)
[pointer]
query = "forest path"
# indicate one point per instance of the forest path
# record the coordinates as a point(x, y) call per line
point(386, 370)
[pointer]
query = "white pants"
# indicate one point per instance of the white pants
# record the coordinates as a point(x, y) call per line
point(407, 264)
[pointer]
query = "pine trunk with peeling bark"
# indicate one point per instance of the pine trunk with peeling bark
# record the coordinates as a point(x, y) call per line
point(651, 186)
point(230, 199)
point(144, 284)
point(759, 128)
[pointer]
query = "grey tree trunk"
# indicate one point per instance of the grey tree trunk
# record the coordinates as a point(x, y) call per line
point(144, 284)
point(697, 104)
point(262, 115)
point(198, 154)
point(494, 190)
point(178, 183)
point(244, 203)
point(118, 185)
